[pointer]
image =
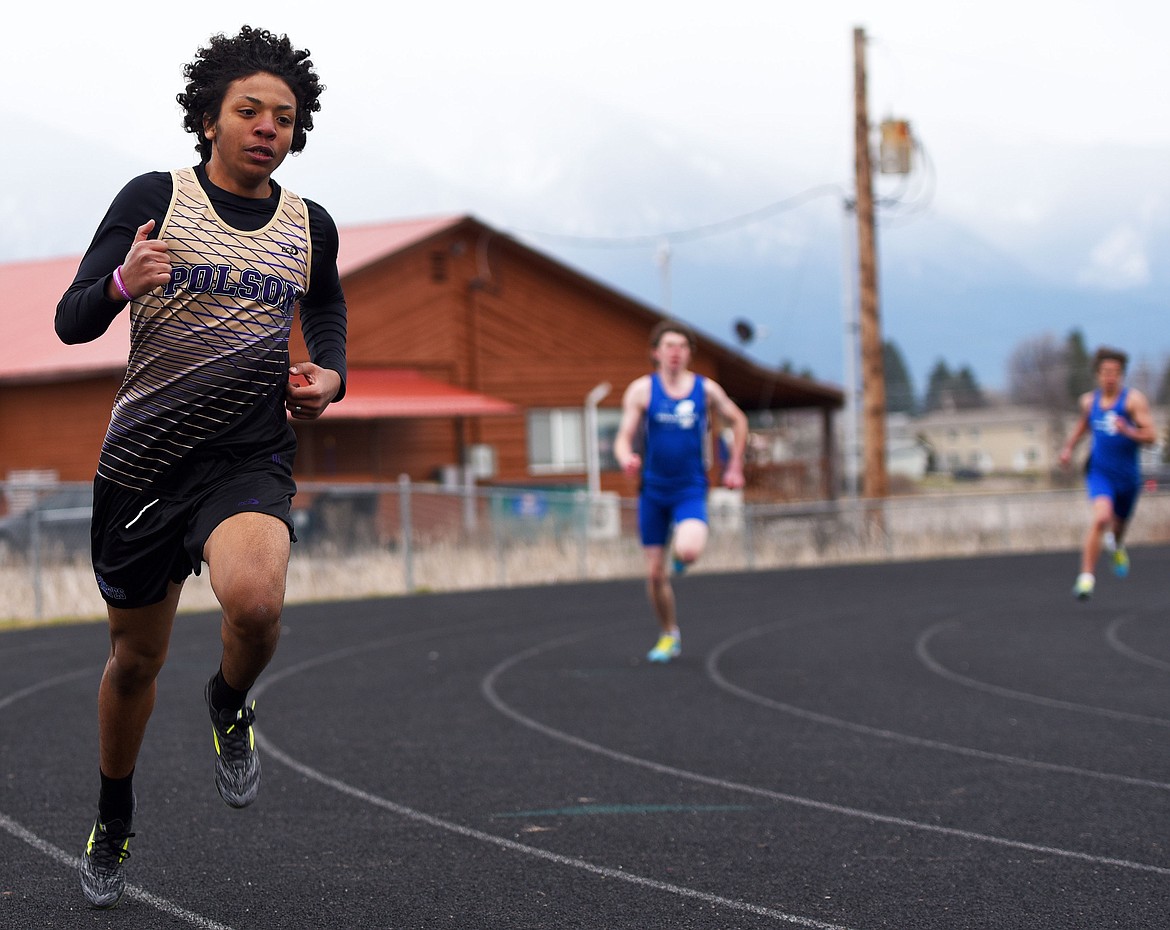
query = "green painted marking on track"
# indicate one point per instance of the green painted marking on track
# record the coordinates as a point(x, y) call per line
point(585, 810)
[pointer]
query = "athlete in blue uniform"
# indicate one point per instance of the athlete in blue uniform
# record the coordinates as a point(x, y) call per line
point(672, 407)
point(1119, 420)
point(212, 262)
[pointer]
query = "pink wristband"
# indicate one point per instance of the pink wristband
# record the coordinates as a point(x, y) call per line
point(121, 285)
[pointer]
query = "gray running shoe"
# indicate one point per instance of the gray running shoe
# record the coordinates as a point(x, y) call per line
point(102, 881)
point(237, 764)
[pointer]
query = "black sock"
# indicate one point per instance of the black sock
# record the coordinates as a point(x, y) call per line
point(116, 801)
point(224, 696)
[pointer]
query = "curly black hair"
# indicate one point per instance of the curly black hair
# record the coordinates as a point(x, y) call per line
point(251, 52)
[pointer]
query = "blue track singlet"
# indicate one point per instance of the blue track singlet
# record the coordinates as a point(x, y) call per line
point(1114, 455)
point(1113, 471)
point(676, 431)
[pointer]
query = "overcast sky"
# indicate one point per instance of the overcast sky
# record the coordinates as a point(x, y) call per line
point(521, 112)
point(769, 82)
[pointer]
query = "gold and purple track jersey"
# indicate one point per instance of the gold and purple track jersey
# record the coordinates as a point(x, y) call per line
point(208, 350)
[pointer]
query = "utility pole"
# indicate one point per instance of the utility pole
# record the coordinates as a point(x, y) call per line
point(876, 484)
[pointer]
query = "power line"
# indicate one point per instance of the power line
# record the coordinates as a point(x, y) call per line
point(696, 232)
point(914, 204)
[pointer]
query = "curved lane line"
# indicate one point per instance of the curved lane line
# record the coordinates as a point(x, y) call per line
point(923, 652)
point(487, 686)
point(10, 826)
point(132, 891)
point(919, 741)
point(512, 846)
point(449, 826)
point(1129, 652)
point(43, 686)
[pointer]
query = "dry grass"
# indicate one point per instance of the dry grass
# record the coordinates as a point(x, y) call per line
point(910, 528)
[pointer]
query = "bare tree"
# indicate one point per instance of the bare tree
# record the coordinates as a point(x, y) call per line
point(1038, 374)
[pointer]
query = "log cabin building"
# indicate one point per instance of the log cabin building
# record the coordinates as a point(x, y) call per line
point(467, 349)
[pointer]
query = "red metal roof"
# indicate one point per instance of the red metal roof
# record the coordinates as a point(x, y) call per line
point(372, 394)
point(31, 290)
point(362, 245)
point(34, 352)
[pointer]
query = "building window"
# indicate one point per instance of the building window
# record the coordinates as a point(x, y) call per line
point(556, 440)
point(608, 421)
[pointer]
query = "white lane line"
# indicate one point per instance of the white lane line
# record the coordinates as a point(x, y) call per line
point(469, 832)
point(896, 736)
point(13, 828)
point(488, 688)
point(512, 846)
point(1114, 640)
point(138, 893)
point(923, 651)
point(15, 696)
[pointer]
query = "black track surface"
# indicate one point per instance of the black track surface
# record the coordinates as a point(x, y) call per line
point(951, 744)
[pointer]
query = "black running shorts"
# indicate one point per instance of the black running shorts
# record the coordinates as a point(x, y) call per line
point(141, 543)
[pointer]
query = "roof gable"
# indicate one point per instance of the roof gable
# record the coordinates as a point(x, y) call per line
point(361, 246)
point(33, 288)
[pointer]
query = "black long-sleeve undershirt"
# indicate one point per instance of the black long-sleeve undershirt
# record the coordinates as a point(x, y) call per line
point(84, 313)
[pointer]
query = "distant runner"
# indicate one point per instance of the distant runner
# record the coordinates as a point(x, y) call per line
point(672, 408)
point(1119, 419)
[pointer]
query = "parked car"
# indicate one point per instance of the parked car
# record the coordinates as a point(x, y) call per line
point(59, 519)
point(343, 518)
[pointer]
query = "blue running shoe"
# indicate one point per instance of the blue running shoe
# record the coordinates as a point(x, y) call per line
point(1120, 562)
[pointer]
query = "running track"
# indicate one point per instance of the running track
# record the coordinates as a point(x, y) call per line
point(950, 744)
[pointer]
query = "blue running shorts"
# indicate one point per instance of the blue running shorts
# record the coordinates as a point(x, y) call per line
point(657, 513)
point(1123, 494)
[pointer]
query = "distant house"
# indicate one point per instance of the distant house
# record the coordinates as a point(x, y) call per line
point(467, 349)
point(1002, 440)
point(907, 454)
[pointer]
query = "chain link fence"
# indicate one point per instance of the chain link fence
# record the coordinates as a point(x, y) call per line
point(396, 538)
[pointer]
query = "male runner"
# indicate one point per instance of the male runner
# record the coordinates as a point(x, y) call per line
point(1119, 419)
point(672, 403)
point(197, 462)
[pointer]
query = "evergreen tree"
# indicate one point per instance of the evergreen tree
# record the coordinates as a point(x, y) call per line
point(967, 393)
point(938, 387)
point(1080, 366)
point(899, 387)
point(953, 390)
